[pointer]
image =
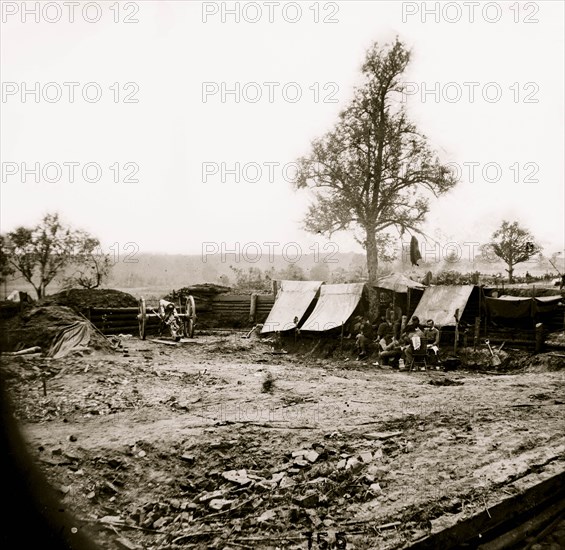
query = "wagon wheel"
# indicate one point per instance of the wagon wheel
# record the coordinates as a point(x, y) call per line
point(142, 318)
point(190, 318)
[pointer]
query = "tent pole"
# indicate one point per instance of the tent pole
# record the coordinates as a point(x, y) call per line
point(456, 332)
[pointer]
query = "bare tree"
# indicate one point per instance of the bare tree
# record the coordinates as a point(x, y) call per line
point(91, 266)
point(374, 171)
point(6, 268)
point(42, 252)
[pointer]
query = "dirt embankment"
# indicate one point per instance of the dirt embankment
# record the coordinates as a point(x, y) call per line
point(82, 299)
point(38, 323)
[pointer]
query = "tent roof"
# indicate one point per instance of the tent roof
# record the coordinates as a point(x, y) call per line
point(334, 307)
point(440, 303)
point(293, 299)
point(397, 282)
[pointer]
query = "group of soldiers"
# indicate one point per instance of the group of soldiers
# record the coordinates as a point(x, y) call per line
point(396, 344)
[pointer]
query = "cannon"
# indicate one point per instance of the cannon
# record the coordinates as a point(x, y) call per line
point(187, 319)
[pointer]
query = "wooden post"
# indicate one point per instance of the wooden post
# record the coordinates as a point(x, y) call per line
point(377, 311)
point(540, 337)
point(456, 331)
point(477, 333)
point(252, 308)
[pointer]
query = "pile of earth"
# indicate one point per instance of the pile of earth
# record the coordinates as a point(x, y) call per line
point(204, 291)
point(207, 291)
point(81, 299)
point(38, 326)
point(542, 362)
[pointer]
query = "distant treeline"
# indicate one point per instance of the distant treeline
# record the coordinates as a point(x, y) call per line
point(180, 270)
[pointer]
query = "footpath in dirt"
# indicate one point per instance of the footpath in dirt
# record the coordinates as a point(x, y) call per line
point(219, 442)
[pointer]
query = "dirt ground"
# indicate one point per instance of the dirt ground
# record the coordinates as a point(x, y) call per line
point(218, 442)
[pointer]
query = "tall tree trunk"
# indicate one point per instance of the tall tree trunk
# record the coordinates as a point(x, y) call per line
point(38, 292)
point(372, 266)
point(510, 273)
point(372, 256)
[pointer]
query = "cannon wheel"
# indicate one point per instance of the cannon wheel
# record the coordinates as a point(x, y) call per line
point(190, 319)
point(142, 318)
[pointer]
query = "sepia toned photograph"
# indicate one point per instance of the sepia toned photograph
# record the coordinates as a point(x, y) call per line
point(282, 275)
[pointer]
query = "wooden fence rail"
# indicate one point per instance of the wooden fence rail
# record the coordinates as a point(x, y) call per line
point(221, 311)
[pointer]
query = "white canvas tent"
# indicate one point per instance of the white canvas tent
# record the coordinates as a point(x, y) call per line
point(292, 302)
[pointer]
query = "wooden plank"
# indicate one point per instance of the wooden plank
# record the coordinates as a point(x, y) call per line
point(108, 310)
point(232, 298)
point(487, 525)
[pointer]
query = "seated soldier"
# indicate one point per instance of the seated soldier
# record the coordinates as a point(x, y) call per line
point(385, 328)
point(170, 317)
point(354, 326)
point(431, 334)
point(390, 350)
point(361, 345)
point(367, 329)
point(394, 317)
point(413, 325)
point(412, 342)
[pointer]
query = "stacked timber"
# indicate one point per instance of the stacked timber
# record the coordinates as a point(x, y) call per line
point(213, 310)
point(115, 320)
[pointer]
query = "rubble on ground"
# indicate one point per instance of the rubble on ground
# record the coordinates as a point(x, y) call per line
point(154, 450)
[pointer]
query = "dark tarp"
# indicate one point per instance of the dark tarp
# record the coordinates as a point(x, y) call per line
point(509, 307)
point(415, 255)
point(546, 304)
point(72, 338)
point(518, 307)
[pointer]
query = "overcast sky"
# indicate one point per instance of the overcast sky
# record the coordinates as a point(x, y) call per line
point(164, 140)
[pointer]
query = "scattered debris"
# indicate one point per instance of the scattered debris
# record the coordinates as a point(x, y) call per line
point(381, 435)
point(444, 381)
point(237, 476)
point(27, 351)
point(268, 383)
